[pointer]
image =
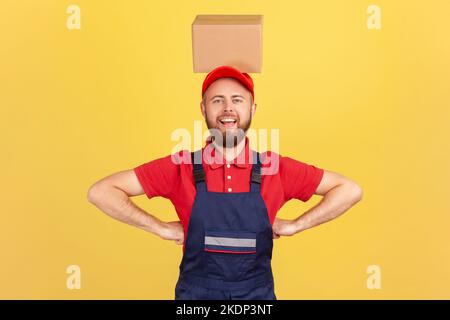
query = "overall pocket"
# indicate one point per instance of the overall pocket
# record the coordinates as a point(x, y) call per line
point(230, 255)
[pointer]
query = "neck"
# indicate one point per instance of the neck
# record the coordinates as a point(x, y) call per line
point(230, 153)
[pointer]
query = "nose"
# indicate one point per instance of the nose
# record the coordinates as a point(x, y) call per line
point(228, 106)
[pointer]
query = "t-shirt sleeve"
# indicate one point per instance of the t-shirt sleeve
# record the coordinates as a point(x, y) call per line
point(300, 180)
point(158, 177)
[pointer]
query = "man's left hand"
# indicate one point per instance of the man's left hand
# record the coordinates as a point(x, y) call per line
point(282, 227)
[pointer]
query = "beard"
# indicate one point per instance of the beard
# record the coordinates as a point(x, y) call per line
point(230, 137)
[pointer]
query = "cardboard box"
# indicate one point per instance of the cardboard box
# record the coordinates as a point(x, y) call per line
point(234, 40)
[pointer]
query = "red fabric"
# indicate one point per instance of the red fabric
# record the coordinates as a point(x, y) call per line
point(162, 177)
point(230, 252)
point(228, 72)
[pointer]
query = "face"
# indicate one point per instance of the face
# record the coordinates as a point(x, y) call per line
point(228, 108)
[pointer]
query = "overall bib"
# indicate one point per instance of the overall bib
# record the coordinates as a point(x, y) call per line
point(228, 247)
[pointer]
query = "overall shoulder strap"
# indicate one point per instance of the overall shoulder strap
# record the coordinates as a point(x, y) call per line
point(197, 170)
point(256, 172)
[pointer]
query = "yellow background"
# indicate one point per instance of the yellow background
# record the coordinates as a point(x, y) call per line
point(77, 105)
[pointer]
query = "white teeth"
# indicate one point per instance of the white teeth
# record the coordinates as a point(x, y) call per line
point(227, 120)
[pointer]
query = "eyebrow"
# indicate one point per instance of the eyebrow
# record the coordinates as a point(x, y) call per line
point(221, 96)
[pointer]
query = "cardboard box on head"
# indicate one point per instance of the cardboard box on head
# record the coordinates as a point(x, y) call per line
point(233, 40)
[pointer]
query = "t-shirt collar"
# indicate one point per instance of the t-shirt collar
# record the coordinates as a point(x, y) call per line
point(217, 163)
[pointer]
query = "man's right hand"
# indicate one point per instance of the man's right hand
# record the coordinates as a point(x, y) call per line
point(112, 195)
point(172, 231)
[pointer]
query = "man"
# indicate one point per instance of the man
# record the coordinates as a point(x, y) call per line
point(226, 204)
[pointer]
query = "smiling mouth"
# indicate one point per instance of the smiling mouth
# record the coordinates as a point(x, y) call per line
point(228, 122)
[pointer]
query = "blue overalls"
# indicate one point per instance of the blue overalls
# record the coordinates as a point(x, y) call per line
point(228, 247)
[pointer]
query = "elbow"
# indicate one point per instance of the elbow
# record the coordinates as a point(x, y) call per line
point(94, 193)
point(356, 192)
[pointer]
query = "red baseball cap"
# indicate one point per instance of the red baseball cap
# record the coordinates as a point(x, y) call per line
point(228, 72)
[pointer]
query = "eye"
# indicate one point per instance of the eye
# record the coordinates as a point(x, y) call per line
point(216, 100)
point(238, 100)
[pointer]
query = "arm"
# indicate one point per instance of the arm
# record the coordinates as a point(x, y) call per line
point(339, 194)
point(112, 196)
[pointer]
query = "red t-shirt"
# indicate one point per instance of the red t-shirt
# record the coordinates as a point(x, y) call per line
point(167, 177)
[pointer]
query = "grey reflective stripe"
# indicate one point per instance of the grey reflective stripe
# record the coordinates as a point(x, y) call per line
point(230, 242)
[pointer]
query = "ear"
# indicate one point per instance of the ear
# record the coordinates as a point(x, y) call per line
point(202, 109)
point(253, 109)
